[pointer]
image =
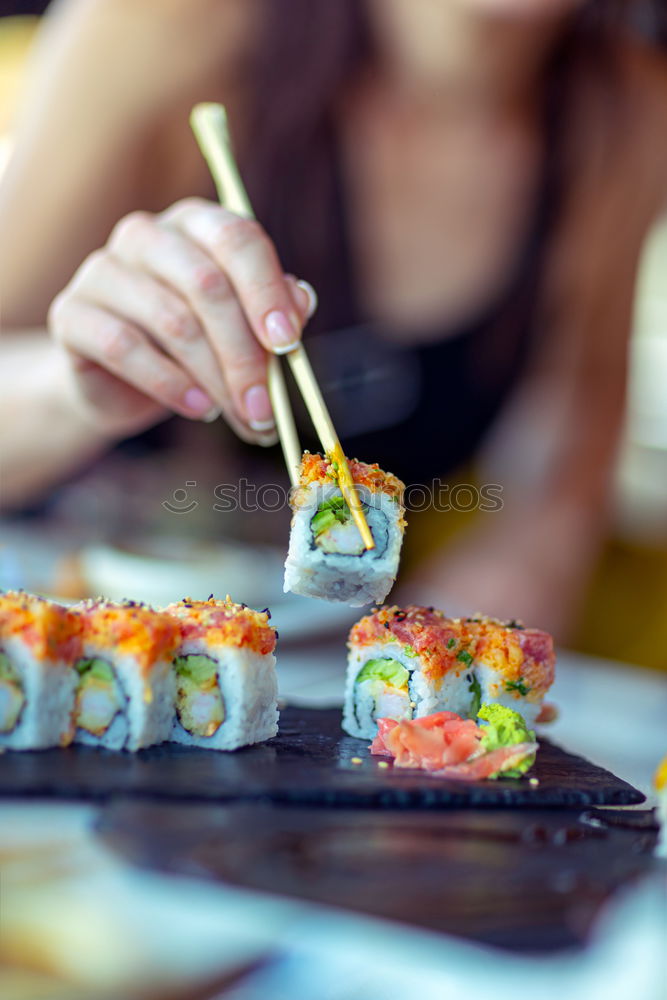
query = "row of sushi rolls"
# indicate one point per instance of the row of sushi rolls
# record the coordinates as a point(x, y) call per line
point(456, 697)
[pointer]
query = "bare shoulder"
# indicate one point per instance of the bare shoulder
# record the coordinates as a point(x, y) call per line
point(105, 107)
point(171, 41)
point(233, 15)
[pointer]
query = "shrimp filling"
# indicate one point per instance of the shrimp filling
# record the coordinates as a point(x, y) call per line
point(12, 696)
point(98, 698)
point(382, 690)
point(199, 703)
point(335, 532)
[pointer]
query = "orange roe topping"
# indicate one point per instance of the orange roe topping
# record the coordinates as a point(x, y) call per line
point(316, 469)
point(51, 631)
point(224, 623)
point(434, 638)
point(523, 656)
point(130, 629)
point(445, 644)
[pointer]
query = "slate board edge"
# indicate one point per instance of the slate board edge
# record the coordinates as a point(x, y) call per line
point(440, 797)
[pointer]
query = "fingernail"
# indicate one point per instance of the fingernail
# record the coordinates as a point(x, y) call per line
point(200, 404)
point(258, 408)
point(281, 331)
point(306, 287)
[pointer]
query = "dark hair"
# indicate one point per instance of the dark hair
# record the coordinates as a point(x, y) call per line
point(309, 52)
point(646, 18)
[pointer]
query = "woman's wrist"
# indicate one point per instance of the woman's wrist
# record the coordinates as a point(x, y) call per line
point(49, 433)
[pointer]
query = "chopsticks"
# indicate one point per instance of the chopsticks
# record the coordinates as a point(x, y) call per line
point(209, 124)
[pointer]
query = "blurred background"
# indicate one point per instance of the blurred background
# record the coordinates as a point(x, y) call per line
point(128, 527)
point(624, 613)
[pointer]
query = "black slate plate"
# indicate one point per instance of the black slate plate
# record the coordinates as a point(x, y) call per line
point(310, 761)
point(521, 879)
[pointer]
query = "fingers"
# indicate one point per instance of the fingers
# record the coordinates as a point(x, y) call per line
point(231, 348)
point(244, 252)
point(183, 307)
point(105, 281)
point(123, 349)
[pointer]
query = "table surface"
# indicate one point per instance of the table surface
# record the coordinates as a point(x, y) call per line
point(611, 713)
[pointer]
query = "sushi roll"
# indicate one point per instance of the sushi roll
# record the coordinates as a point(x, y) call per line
point(327, 557)
point(512, 665)
point(39, 641)
point(125, 685)
point(406, 663)
point(403, 665)
point(225, 677)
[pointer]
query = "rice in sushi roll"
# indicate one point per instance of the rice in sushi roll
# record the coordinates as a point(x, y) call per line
point(409, 663)
point(327, 557)
point(39, 641)
point(125, 688)
point(226, 686)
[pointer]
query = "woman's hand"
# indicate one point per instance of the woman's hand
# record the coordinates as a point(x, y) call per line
point(176, 314)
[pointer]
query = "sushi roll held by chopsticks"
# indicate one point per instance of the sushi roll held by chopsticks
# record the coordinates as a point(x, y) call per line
point(125, 689)
point(304, 573)
point(39, 641)
point(226, 685)
point(327, 557)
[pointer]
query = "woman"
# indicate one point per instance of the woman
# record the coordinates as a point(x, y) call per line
point(472, 178)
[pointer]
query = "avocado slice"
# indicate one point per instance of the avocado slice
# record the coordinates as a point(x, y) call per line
point(475, 689)
point(95, 667)
point(387, 670)
point(7, 672)
point(330, 512)
point(199, 703)
point(12, 698)
point(197, 668)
